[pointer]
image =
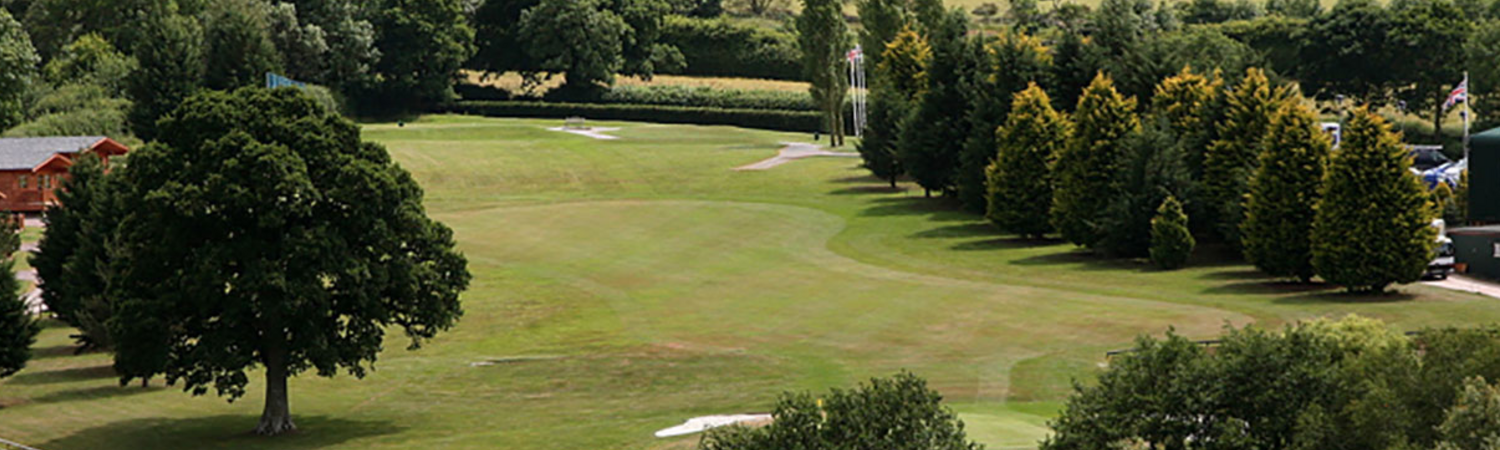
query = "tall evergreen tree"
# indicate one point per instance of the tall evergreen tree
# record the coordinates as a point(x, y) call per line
point(1279, 212)
point(824, 37)
point(171, 69)
point(1075, 62)
point(1230, 160)
point(1020, 179)
point(878, 146)
point(932, 135)
point(1150, 170)
point(70, 259)
point(1373, 224)
point(1001, 67)
point(1087, 167)
point(18, 329)
point(880, 21)
point(903, 64)
point(1186, 101)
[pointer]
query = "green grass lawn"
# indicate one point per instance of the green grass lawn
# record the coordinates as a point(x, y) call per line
point(623, 286)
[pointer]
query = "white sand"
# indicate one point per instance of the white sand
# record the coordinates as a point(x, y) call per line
point(700, 424)
point(795, 151)
point(596, 133)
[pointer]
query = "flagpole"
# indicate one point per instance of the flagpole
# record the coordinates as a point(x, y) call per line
point(1466, 114)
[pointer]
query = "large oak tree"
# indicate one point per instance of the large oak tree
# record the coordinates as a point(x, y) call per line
point(261, 232)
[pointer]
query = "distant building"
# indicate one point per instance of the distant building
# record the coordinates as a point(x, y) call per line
point(32, 169)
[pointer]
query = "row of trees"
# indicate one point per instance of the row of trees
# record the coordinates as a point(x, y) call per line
point(258, 231)
point(65, 61)
point(1242, 156)
point(1347, 384)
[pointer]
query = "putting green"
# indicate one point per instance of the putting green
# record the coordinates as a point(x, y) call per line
point(623, 286)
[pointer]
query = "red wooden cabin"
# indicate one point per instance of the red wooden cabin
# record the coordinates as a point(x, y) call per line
point(32, 169)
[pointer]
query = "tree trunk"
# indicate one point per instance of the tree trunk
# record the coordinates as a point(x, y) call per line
point(893, 181)
point(1437, 123)
point(277, 416)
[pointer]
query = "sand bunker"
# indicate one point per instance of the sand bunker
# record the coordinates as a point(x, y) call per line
point(794, 151)
point(596, 133)
point(700, 424)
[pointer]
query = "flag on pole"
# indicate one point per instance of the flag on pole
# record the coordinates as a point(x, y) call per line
point(1459, 93)
point(853, 54)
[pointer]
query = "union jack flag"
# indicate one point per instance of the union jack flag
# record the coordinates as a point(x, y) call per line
point(1459, 93)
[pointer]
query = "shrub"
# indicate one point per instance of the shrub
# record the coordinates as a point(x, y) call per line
point(720, 47)
point(1171, 243)
point(670, 95)
point(878, 146)
point(1373, 225)
point(805, 121)
point(887, 413)
point(1473, 423)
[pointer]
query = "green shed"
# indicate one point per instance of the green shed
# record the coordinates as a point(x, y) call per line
point(1477, 250)
point(1484, 177)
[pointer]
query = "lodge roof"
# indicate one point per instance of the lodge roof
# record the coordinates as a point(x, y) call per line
point(30, 152)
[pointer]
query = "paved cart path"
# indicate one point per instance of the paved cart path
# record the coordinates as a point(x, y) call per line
point(794, 151)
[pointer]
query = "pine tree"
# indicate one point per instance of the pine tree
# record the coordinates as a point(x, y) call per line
point(932, 137)
point(878, 146)
point(1171, 243)
point(1279, 212)
point(1373, 224)
point(1001, 67)
point(904, 63)
point(69, 255)
point(1151, 169)
point(1020, 180)
point(1186, 101)
point(1086, 167)
point(1230, 160)
point(18, 329)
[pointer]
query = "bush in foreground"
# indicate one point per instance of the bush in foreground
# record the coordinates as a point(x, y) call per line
point(897, 413)
point(1339, 385)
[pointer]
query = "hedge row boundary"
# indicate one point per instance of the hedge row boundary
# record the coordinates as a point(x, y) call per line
point(780, 120)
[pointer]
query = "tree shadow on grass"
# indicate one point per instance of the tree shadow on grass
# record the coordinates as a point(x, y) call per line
point(1238, 273)
point(1005, 243)
point(963, 230)
point(869, 190)
point(94, 393)
point(1264, 285)
point(937, 209)
point(1339, 296)
point(223, 431)
point(56, 351)
point(1087, 259)
point(67, 375)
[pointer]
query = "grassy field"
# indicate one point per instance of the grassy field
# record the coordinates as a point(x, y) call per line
point(623, 286)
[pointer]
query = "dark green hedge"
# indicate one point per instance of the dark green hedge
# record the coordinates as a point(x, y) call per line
point(724, 48)
point(805, 121)
point(689, 96)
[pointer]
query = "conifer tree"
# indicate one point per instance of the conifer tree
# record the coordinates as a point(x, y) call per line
point(1373, 224)
point(1019, 182)
point(1086, 167)
point(1002, 67)
point(878, 146)
point(1171, 243)
point(18, 329)
point(903, 63)
point(932, 136)
point(1230, 160)
point(1279, 212)
point(1186, 101)
point(1150, 170)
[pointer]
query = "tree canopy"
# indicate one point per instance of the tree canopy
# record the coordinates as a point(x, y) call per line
point(294, 246)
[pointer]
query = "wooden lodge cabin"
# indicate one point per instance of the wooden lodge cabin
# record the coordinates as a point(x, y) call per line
point(33, 168)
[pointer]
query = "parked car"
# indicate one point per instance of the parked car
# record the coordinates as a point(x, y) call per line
point(1442, 265)
point(1427, 156)
point(1447, 173)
